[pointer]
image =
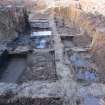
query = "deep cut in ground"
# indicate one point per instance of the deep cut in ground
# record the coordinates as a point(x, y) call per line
point(14, 68)
point(84, 68)
point(41, 66)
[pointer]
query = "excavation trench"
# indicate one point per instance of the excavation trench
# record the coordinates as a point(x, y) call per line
point(15, 66)
point(38, 65)
point(84, 68)
point(30, 58)
point(30, 61)
point(41, 66)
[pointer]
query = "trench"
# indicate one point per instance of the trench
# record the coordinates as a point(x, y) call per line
point(37, 63)
point(32, 57)
point(84, 69)
point(15, 67)
point(41, 67)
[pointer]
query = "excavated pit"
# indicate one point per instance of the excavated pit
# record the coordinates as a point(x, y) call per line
point(40, 61)
point(76, 42)
point(16, 64)
point(84, 68)
point(41, 66)
point(41, 34)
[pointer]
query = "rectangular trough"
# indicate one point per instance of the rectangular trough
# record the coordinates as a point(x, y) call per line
point(41, 66)
point(14, 68)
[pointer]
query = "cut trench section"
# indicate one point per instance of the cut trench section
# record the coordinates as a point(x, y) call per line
point(30, 67)
point(14, 68)
point(84, 69)
point(41, 66)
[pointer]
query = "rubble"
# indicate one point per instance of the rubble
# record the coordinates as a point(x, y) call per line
point(9, 69)
point(83, 70)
